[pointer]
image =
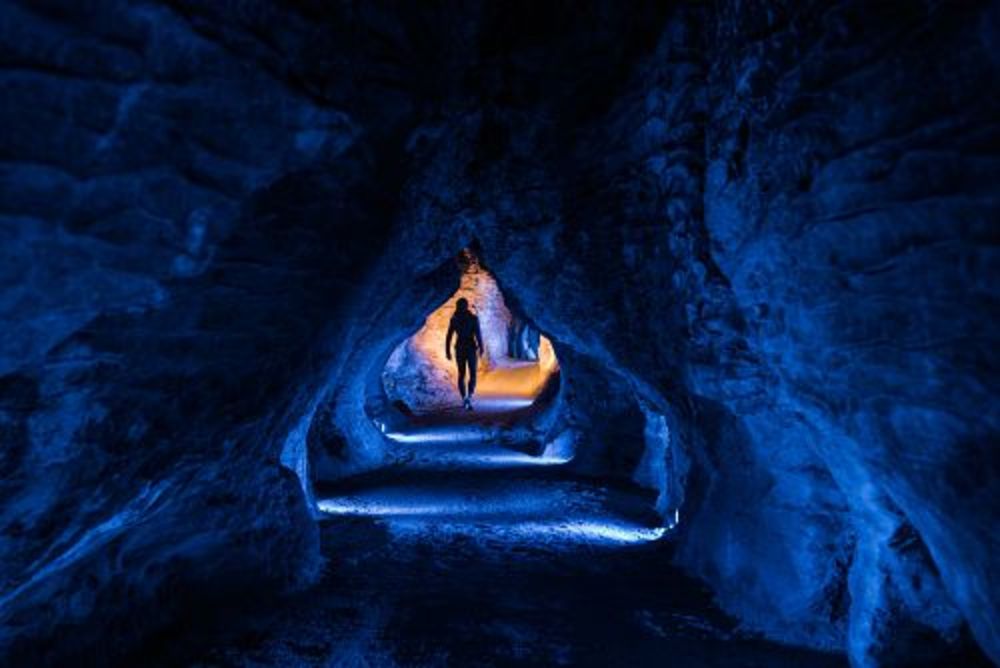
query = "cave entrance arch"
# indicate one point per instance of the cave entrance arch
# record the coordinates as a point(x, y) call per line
point(513, 468)
point(518, 371)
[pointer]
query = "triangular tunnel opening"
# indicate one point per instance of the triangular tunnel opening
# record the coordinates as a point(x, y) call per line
point(503, 470)
point(516, 370)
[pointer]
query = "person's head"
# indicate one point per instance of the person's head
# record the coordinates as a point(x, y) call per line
point(462, 304)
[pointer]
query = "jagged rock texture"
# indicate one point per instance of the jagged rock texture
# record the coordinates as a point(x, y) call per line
point(771, 224)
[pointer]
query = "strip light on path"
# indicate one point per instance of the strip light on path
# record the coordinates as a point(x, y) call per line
point(415, 519)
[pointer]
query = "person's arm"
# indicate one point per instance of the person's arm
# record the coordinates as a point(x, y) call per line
point(447, 339)
point(479, 338)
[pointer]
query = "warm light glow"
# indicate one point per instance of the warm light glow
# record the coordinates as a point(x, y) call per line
point(420, 374)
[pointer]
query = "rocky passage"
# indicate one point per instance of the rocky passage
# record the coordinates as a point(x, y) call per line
point(466, 553)
point(759, 235)
point(450, 474)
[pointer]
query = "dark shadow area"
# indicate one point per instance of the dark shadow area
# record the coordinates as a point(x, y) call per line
point(434, 600)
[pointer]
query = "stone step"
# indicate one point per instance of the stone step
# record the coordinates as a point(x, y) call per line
point(431, 452)
point(537, 503)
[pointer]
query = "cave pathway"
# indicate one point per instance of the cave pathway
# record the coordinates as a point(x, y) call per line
point(451, 476)
point(468, 553)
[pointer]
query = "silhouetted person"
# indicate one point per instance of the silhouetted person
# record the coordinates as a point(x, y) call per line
point(468, 342)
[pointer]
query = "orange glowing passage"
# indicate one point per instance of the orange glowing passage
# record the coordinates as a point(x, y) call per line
point(419, 374)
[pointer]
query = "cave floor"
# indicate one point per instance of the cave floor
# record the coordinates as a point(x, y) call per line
point(478, 556)
point(423, 599)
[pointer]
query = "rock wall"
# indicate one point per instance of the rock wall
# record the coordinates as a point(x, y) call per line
point(850, 200)
point(163, 304)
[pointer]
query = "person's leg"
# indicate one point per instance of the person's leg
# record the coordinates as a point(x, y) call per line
point(460, 362)
point(471, 361)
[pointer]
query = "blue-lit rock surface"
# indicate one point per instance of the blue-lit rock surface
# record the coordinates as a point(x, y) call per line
point(760, 235)
point(850, 196)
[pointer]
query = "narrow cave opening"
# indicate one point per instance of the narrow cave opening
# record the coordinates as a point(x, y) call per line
point(507, 468)
point(516, 370)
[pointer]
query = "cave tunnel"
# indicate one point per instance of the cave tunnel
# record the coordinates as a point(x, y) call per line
point(734, 265)
point(503, 467)
point(516, 366)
